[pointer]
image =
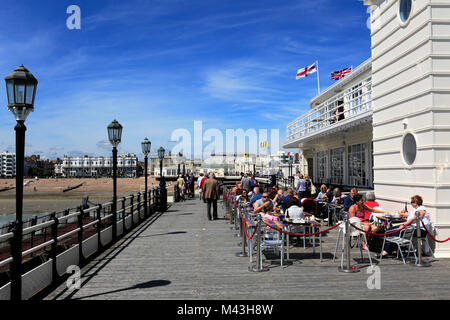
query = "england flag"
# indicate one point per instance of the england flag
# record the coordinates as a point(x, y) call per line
point(306, 71)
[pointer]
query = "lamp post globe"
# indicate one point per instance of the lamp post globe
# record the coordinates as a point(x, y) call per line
point(114, 136)
point(146, 144)
point(115, 133)
point(145, 150)
point(21, 91)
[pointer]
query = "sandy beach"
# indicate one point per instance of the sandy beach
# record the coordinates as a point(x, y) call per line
point(46, 195)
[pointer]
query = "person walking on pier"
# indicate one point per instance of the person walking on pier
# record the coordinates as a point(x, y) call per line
point(191, 185)
point(199, 185)
point(212, 194)
point(180, 185)
point(246, 183)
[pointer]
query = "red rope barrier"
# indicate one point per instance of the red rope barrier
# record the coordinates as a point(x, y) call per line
point(245, 230)
point(382, 234)
point(431, 236)
point(302, 235)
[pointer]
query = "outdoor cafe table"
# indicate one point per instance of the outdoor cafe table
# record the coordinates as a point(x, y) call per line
point(312, 226)
point(389, 220)
point(287, 225)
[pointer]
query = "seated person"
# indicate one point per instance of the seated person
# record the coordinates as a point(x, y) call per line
point(322, 194)
point(329, 194)
point(359, 209)
point(348, 201)
point(338, 198)
point(273, 192)
point(294, 212)
point(417, 204)
point(370, 200)
point(338, 114)
point(265, 204)
point(255, 197)
point(243, 197)
point(284, 200)
point(233, 191)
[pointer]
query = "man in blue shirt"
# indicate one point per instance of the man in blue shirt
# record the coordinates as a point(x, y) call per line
point(348, 200)
point(285, 201)
point(256, 196)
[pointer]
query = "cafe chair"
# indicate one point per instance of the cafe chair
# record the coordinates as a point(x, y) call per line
point(272, 239)
point(354, 233)
point(309, 206)
point(403, 240)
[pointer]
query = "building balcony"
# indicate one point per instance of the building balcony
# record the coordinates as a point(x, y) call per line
point(341, 111)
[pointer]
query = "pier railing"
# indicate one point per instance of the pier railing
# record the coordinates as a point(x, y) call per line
point(53, 243)
point(348, 105)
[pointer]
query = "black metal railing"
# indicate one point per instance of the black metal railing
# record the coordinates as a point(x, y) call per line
point(49, 235)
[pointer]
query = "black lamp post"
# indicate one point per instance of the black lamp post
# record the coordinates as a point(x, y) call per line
point(291, 178)
point(162, 182)
point(184, 168)
point(21, 90)
point(114, 135)
point(145, 150)
point(180, 155)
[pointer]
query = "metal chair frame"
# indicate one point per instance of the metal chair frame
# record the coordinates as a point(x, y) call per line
point(405, 238)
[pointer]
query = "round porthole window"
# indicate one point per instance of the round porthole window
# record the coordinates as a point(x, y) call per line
point(409, 148)
point(405, 9)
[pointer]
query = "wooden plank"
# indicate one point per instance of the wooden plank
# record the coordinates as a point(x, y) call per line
point(183, 256)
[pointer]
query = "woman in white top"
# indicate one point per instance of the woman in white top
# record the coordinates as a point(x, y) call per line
point(417, 204)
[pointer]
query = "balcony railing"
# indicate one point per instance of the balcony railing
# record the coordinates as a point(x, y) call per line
point(351, 103)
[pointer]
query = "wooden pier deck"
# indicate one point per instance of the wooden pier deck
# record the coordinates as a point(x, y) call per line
point(180, 255)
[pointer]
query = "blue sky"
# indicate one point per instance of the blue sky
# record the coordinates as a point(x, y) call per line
point(157, 66)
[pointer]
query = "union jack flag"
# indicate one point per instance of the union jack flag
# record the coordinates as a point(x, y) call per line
point(338, 75)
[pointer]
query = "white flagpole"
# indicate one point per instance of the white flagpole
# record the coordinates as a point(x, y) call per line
point(318, 79)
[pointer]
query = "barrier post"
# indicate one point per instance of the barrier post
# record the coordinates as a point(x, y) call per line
point(99, 226)
point(233, 217)
point(420, 262)
point(259, 267)
point(123, 215)
point(132, 210)
point(347, 268)
point(80, 235)
point(238, 210)
point(244, 240)
point(54, 246)
point(33, 223)
point(139, 207)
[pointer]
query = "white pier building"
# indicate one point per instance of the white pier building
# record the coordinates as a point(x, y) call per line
point(394, 130)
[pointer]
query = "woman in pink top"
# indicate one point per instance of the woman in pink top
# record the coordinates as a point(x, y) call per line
point(362, 211)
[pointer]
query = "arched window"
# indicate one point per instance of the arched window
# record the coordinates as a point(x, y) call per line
point(409, 148)
point(405, 9)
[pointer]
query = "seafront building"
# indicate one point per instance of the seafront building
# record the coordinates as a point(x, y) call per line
point(88, 166)
point(170, 165)
point(386, 126)
point(7, 164)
